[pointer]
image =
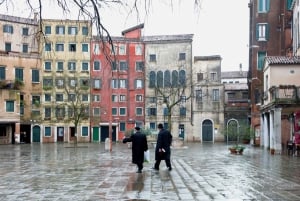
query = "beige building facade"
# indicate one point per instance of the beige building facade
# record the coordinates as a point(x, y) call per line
point(65, 53)
point(208, 99)
point(19, 77)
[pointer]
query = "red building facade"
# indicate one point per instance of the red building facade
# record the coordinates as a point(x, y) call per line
point(118, 85)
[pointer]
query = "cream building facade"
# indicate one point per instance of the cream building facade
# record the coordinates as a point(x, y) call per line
point(65, 53)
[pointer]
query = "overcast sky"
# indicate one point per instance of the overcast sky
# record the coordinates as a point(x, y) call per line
point(220, 27)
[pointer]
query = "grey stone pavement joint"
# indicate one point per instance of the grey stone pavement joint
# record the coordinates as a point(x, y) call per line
point(203, 172)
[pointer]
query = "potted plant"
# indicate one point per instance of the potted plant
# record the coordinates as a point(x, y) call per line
point(233, 135)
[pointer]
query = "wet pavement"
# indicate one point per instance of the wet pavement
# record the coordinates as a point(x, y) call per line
point(200, 172)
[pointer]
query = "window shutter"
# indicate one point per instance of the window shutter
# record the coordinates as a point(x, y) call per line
point(257, 32)
point(267, 32)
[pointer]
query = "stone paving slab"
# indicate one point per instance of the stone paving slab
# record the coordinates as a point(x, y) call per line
point(200, 172)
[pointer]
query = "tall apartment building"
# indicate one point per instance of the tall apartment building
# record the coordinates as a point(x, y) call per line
point(118, 85)
point(19, 77)
point(208, 100)
point(65, 61)
point(270, 35)
point(168, 64)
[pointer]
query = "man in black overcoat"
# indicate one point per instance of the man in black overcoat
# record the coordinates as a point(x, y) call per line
point(163, 148)
point(139, 146)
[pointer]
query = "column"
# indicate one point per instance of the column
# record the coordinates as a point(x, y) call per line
point(277, 130)
point(272, 134)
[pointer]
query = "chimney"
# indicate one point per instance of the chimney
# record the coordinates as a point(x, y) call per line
point(35, 16)
point(241, 69)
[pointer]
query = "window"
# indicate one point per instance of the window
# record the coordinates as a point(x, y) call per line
point(71, 66)
point(47, 65)
point(60, 30)
point(289, 4)
point(47, 112)
point(72, 82)
point(262, 32)
point(72, 47)
point(72, 30)
point(213, 76)
point(152, 99)
point(96, 98)
point(138, 84)
point(260, 60)
point(183, 99)
point(139, 98)
point(152, 126)
point(25, 31)
point(138, 49)
point(60, 112)
point(47, 47)
point(114, 111)
point(139, 111)
point(114, 83)
point(122, 126)
point(174, 78)
point(97, 84)
point(123, 98)
point(10, 106)
point(2, 73)
point(152, 79)
point(114, 98)
point(25, 48)
point(47, 97)
point(60, 83)
point(47, 29)
point(122, 111)
point(122, 49)
point(182, 111)
point(36, 100)
point(245, 95)
point(84, 83)
point(123, 83)
point(47, 82)
point(60, 66)
point(231, 95)
point(19, 74)
point(85, 31)
point(198, 95)
point(70, 112)
point(199, 77)
point(167, 79)
point(165, 111)
point(152, 111)
point(181, 56)
point(114, 65)
point(72, 97)
point(85, 47)
point(8, 29)
point(59, 97)
point(85, 66)
point(216, 96)
point(59, 47)
point(96, 49)
point(35, 76)
point(123, 66)
point(152, 58)
point(97, 65)
point(47, 132)
point(263, 6)
point(7, 47)
point(85, 97)
point(160, 79)
point(139, 66)
point(96, 111)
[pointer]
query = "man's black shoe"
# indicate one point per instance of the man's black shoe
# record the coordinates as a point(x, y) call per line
point(153, 168)
point(169, 168)
point(139, 171)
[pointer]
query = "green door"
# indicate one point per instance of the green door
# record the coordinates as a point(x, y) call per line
point(36, 134)
point(95, 134)
point(207, 131)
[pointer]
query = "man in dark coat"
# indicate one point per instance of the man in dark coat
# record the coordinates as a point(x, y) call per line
point(139, 146)
point(163, 150)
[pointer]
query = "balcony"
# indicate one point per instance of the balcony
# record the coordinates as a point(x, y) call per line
point(11, 84)
point(284, 94)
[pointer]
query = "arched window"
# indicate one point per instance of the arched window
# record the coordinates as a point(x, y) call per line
point(174, 78)
point(160, 79)
point(182, 78)
point(167, 79)
point(152, 79)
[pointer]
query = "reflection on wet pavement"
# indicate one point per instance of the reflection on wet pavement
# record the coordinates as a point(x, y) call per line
point(200, 172)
